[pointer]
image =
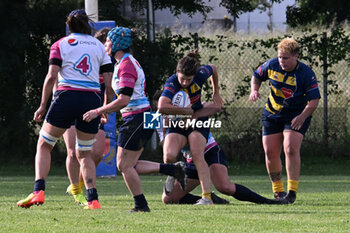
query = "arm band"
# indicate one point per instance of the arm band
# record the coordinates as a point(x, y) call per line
point(55, 61)
point(106, 68)
point(126, 91)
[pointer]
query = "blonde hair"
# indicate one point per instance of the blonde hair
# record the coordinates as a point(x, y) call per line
point(288, 45)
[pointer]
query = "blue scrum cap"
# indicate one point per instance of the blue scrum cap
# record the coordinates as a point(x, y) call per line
point(120, 37)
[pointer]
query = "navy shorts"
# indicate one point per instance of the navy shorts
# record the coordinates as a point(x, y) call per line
point(132, 135)
point(69, 106)
point(213, 156)
point(186, 132)
point(272, 126)
point(102, 95)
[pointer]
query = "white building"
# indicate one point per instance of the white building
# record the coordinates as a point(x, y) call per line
point(249, 22)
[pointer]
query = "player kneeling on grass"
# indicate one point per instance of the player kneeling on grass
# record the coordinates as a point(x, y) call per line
point(216, 160)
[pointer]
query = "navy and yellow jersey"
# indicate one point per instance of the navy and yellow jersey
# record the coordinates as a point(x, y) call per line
point(290, 91)
point(194, 90)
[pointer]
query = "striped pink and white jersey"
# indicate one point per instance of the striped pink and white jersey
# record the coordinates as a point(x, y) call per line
point(210, 144)
point(80, 57)
point(128, 73)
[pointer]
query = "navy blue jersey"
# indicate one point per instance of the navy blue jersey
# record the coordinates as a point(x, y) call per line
point(194, 90)
point(290, 91)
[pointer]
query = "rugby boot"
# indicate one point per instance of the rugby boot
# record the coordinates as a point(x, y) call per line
point(180, 174)
point(35, 198)
point(204, 201)
point(80, 199)
point(169, 184)
point(218, 200)
point(279, 195)
point(144, 209)
point(93, 205)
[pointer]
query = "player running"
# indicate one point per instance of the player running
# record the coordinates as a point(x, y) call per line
point(189, 77)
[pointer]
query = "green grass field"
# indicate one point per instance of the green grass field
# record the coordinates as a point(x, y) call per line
point(322, 205)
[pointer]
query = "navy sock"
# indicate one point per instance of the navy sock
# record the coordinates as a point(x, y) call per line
point(244, 194)
point(140, 201)
point(167, 169)
point(189, 199)
point(92, 194)
point(39, 185)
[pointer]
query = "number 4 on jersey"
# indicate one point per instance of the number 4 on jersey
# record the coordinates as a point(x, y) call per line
point(83, 65)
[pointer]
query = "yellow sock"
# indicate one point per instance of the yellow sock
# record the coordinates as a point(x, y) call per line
point(76, 189)
point(277, 187)
point(293, 185)
point(81, 184)
point(207, 195)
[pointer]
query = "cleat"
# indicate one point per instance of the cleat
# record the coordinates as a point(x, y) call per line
point(169, 184)
point(218, 200)
point(33, 199)
point(290, 197)
point(80, 199)
point(180, 174)
point(279, 195)
point(204, 201)
point(144, 209)
point(93, 205)
point(279, 201)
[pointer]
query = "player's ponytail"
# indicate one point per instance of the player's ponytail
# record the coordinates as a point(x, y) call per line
point(189, 64)
point(78, 22)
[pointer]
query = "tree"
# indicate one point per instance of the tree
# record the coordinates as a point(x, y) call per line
point(189, 7)
point(319, 12)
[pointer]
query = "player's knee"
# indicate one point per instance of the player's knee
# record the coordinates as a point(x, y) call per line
point(49, 139)
point(166, 199)
point(291, 151)
point(123, 167)
point(227, 189)
point(169, 157)
point(71, 153)
point(96, 156)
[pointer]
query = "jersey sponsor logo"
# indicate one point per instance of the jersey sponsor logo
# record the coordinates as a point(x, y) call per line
point(195, 88)
point(88, 42)
point(72, 42)
point(274, 75)
point(287, 92)
point(291, 81)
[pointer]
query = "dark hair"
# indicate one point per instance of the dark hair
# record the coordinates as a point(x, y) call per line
point(101, 34)
point(157, 95)
point(189, 64)
point(78, 22)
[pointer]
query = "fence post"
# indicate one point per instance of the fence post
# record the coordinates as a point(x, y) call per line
point(325, 83)
point(195, 38)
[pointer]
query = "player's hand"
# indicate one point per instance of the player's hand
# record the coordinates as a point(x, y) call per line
point(297, 122)
point(254, 96)
point(218, 100)
point(104, 119)
point(189, 111)
point(39, 114)
point(90, 115)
